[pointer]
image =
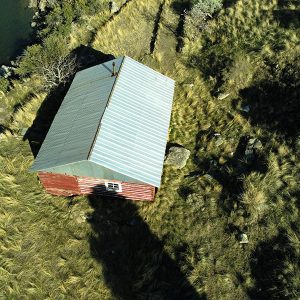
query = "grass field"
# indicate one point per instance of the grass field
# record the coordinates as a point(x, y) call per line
point(185, 244)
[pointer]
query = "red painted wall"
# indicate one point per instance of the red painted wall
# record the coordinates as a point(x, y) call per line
point(66, 185)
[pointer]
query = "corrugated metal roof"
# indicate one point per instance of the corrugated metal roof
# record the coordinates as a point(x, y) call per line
point(132, 135)
point(77, 120)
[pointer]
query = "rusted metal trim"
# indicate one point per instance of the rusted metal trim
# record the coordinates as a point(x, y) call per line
point(107, 103)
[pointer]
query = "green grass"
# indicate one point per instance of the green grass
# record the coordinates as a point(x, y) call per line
point(48, 249)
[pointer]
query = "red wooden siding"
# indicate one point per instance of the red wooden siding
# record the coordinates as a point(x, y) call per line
point(66, 185)
point(59, 184)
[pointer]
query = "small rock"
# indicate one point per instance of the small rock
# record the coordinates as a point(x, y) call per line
point(222, 96)
point(190, 85)
point(249, 154)
point(243, 238)
point(253, 144)
point(245, 108)
point(177, 157)
point(113, 7)
point(5, 71)
point(33, 24)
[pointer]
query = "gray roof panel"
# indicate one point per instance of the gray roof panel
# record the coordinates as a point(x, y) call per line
point(74, 127)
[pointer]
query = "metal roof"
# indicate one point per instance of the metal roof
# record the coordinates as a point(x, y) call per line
point(119, 123)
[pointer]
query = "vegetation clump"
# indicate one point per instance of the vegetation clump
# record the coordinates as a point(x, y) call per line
point(51, 61)
point(236, 108)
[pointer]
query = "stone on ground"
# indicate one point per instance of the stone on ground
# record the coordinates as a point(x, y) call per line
point(177, 157)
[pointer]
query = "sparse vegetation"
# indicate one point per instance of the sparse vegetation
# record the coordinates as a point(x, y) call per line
point(236, 108)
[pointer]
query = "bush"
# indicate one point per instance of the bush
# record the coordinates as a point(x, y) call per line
point(197, 18)
point(51, 61)
point(207, 7)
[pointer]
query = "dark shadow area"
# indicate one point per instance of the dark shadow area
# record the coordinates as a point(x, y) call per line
point(288, 18)
point(270, 268)
point(284, 3)
point(26, 99)
point(170, 145)
point(156, 27)
point(181, 8)
point(20, 45)
point(135, 265)
point(44, 117)
point(4, 128)
point(229, 3)
point(212, 61)
point(85, 57)
point(274, 106)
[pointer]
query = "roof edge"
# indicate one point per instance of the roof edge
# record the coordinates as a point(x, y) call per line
point(142, 181)
point(32, 170)
point(108, 100)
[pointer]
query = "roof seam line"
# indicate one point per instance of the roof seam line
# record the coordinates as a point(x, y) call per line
point(108, 100)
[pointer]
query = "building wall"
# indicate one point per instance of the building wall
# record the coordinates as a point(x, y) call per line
point(67, 185)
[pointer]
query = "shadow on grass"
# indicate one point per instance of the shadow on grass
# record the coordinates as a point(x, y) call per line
point(231, 174)
point(275, 105)
point(85, 57)
point(269, 267)
point(229, 3)
point(110, 19)
point(135, 265)
point(288, 18)
point(284, 3)
point(181, 7)
point(156, 27)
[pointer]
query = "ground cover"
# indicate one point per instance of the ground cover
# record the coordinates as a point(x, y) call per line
point(236, 81)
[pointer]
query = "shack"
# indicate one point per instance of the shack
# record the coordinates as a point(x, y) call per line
point(109, 134)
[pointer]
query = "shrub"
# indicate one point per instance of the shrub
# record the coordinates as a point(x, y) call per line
point(51, 61)
point(207, 7)
point(197, 18)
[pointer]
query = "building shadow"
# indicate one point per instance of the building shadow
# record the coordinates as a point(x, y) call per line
point(135, 265)
point(269, 265)
point(85, 57)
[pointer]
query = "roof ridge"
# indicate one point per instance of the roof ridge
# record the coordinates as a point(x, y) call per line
point(108, 100)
